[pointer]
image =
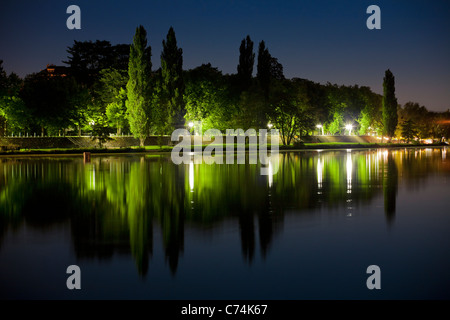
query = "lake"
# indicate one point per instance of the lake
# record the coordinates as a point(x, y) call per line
point(140, 227)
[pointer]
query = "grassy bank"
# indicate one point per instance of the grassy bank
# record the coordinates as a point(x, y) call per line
point(147, 149)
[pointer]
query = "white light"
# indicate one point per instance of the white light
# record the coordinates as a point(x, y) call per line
point(269, 125)
point(349, 128)
point(191, 124)
point(319, 126)
point(270, 176)
point(191, 175)
point(349, 172)
point(319, 173)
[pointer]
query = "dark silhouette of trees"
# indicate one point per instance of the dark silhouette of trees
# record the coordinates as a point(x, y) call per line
point(172, 82)
point(86, 59)
point(390, 118)
point(408, 130)
point(246, 62)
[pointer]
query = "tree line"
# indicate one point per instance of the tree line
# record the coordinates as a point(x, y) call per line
point(113, 89)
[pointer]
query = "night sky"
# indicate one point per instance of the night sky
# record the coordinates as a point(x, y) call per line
point(323, 41)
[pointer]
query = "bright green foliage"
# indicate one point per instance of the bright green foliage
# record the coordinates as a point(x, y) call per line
point(139, 87)
point(100, 130)
point(390, 118)
point(364, 122)
point(290, 110)
point(336, 126)
point(82, 110)
point(116, 111)
point(13, 114)
point(172, 82)
point(206, 98)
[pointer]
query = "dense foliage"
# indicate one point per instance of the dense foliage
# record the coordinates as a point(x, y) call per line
point(111, 89)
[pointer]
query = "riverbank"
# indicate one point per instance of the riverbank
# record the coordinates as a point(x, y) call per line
point(167, 149)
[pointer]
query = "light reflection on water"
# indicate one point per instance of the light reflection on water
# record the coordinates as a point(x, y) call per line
point(145, 210)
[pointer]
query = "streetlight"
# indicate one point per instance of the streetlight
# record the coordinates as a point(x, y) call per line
point(191, 124)
point(269, 125)
point(319, 126)
point(349, 128)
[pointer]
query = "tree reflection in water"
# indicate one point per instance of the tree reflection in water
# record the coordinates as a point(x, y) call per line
point(114, 203)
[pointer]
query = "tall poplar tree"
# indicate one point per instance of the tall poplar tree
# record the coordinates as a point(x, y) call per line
point(268, 69)
point(139, 87)
point(172, 82)
point(263, 68)
point(390, 118)
point(246, 62)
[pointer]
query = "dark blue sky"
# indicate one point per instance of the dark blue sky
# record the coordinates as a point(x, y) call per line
point(324, 41)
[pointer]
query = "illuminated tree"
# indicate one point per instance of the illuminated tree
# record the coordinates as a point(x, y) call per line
point(138, 86)
point(116, 111)
point(13, 114)
point(337, 124)
point(290, 110)
point(206, 97)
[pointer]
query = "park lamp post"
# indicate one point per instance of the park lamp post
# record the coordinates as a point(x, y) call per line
point(349, 128)
point(319, 126)
point(190, 125)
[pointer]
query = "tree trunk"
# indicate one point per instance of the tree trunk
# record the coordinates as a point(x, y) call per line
point(79, 131)
point(141, 142)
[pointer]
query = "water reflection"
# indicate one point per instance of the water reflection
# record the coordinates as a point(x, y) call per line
point(115, 203)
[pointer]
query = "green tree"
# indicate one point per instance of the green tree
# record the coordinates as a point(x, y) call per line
point(390, 117)
point(82, 109)
point(290, 110)
point(370, 119)
point(364, 122)
point(206, 97)
point(337, 123)
point(116, 111)
point(408, 130)
point(139, 86)
point(422, 118)
point(110, 84)
point(112, 94)
point(172, 82)
point(13, 114)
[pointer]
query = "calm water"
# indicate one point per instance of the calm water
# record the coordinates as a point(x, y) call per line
point(140, 227)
